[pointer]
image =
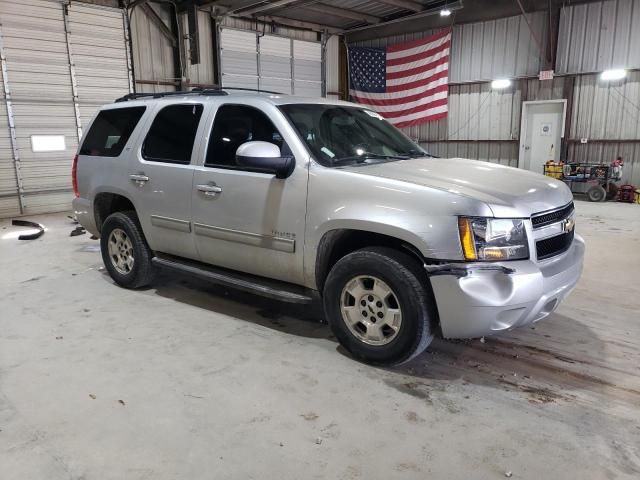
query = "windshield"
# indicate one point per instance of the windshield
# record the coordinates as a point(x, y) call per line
point(341, 135)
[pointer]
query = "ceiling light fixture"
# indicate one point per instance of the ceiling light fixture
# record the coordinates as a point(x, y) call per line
point(445, 12)
point(615, 74)
point(501, 83)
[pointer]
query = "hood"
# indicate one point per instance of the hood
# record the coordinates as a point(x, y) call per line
point(509, 192)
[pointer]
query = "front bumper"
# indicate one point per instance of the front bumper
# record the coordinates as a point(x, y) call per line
point(481, 302)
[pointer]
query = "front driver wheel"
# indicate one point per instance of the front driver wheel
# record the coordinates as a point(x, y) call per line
point(125, 252)
point(380, 306)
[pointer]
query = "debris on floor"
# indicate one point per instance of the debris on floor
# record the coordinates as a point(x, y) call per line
point(77, 231)
point(28, 223)
point(92, 396)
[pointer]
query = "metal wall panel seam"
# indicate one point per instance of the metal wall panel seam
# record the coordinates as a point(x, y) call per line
point(258, 63)
point(12, 125)
point(218, 28)
point(72, 70)
point(293, 62)
point(323, 66)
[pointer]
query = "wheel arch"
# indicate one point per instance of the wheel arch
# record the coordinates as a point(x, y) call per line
point(106, 203)
point(339, 242)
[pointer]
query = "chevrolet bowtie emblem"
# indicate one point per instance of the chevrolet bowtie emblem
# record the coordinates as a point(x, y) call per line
point(568, 224)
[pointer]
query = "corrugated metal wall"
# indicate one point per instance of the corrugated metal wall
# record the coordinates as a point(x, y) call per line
point(203, 72)
point(605, 110)
point(497, 48)
point(153, 55)
point(485, 124)
point(488, 50)
point(482, 123)
point(597, 36)
point(608, 116)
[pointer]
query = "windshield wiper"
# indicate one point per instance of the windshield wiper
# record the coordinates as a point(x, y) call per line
point(416, 154)
point(370, 156)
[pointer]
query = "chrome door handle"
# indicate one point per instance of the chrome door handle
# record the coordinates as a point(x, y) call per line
point(139, 178)
point(209, 190)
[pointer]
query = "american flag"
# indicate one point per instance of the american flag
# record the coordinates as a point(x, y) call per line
point(406, 82)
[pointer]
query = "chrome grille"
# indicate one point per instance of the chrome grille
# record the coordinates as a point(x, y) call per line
point(543, 219)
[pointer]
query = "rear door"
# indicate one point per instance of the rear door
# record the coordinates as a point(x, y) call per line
point(161, 177)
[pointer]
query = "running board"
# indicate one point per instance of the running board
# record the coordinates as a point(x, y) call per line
point(275, 289)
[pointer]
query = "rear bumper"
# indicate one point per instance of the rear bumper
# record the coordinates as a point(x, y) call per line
point(482, 302)
point(83, 210)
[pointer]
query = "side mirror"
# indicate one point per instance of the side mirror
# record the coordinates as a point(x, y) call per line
point(264, 157)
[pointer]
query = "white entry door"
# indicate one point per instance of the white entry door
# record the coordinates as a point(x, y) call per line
point(541, 132)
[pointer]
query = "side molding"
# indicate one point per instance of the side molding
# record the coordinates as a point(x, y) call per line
point(280, 244)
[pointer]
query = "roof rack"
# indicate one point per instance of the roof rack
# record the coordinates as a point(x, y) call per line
point(242, 89)
point(193, 91)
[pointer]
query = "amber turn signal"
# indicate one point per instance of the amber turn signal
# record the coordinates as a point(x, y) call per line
point(466, 239)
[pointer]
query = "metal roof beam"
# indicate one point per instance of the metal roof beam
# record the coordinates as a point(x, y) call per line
point(290, 22)
point(341, 12)
point(406, 4)
point(263, 7)
point(158, 22)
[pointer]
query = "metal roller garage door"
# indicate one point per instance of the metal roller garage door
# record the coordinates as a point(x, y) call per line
point(307, 68)
point(58, 66)
point(270, 62)
point(239, 58)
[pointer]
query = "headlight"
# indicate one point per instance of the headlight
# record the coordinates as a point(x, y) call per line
point(492, 239)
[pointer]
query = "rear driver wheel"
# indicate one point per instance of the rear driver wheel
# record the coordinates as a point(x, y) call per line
point(125, 252)
point(379, 305)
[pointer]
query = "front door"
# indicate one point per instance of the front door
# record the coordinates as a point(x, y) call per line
point(247, 221)
point(161, 178)
point(541, 134)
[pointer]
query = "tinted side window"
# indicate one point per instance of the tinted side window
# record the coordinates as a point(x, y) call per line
point(171, 136)
point(110, 131)
point(233, 126)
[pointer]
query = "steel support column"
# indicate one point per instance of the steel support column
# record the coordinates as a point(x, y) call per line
point(12, 126)
point(128, 49)
point(72, 72)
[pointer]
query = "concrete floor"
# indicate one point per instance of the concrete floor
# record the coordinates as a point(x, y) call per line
point(189, 381)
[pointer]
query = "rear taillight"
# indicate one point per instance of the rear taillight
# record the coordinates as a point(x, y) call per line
point(74, 176)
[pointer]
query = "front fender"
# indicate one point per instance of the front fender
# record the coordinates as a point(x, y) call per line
point(423, 217)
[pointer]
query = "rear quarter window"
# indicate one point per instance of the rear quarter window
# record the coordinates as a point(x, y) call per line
point(110, 131)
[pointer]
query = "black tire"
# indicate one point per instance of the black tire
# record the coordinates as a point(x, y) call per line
point(143, 271)
point(415, 299)
point(596, 194)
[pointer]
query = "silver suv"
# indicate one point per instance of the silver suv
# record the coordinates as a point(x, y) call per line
point(287, 197)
